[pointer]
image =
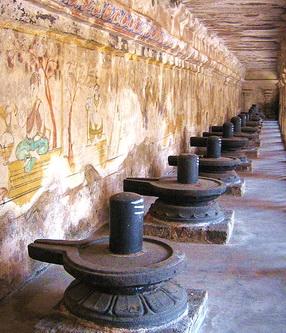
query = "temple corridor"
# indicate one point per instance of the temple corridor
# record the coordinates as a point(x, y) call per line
point(143, 166)
point(245, 279)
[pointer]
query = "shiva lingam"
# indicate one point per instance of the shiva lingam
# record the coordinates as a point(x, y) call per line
point(254, 142)
point(124, 280)
point(213, 165)
point(231, 145)
point(253, 137)
point(237, 131)
point(239, 128)
point(252, 122)
point(186, 204)
point(245, 128)
point(255, 113)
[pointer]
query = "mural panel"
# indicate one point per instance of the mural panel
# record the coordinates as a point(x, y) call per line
point(30, 112)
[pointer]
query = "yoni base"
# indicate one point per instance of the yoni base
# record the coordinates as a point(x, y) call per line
point(62, 321)
point(237, 190)
point(211, 233)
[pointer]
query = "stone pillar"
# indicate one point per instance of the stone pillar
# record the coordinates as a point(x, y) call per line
point(246, 93)
point(268, 104)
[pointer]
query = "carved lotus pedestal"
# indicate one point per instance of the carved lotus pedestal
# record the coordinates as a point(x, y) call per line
point(62, 321)
point(123, 283)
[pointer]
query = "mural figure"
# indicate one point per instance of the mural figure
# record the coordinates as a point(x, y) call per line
point(6, 136)
point(3, 194)
point(95, 120)
point(35, 143)
point(44, 61)
point(6, 148)
point(76, 76)
point(115, 136)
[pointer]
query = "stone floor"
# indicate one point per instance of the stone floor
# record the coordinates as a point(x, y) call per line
point(246, 279)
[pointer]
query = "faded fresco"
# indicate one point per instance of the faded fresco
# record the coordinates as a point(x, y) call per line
point(81, 108)
point(75, 103)
point(31, 121)
point(282, 90)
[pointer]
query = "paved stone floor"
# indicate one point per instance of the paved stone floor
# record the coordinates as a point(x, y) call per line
point(246, 279)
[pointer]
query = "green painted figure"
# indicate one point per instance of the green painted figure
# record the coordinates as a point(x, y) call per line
point(35, 143)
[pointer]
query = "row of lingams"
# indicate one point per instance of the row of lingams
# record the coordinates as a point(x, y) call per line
point(125, 281)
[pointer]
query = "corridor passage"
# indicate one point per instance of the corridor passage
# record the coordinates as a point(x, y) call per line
point(246, 279)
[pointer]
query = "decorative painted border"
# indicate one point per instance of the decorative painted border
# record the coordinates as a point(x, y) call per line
point(117, 18)
point(115, 27)
point(134, 26)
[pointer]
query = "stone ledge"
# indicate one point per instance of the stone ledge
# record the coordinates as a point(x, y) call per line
point(211, 233)
point(252, 152)
point(245, 167)
point(62, 321)
point(237, 190)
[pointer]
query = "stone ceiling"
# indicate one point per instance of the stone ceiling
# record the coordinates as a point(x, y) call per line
point(251, 29)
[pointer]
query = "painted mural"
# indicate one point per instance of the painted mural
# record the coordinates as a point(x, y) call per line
point(30, 121)
point(68, 100)
point(95, 128)
point(120, 18)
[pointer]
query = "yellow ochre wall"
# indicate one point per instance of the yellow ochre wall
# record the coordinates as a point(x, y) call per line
point(84, 104)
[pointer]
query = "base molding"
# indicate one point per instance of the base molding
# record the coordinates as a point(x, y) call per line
point(237, 190)
point(252, 153)
point(62, 321)
point(211, 233)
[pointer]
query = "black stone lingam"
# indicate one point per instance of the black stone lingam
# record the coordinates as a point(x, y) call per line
point(250, 122)
point(255, 113)
point(237, 131)
point(245, 128)
point(186, 199)
point(122, 281)
point(231, 145)
point(213, 165)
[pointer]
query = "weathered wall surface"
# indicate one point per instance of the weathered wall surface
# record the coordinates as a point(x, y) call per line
point(92, 92)
point(282, 89)
point(260, 87)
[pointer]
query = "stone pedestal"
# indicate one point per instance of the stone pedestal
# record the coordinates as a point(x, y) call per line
point(62, 321)
point(236, 190)
point(214, 233)
point(247, 167)
point(252, 152)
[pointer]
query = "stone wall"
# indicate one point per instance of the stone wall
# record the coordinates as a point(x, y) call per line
point(92, 92)
point(260, 87)
point(282, 89)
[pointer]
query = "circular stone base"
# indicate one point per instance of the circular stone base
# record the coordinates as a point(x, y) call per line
point(60, 320)
point(206, 212)
point(245, 162)
point(230, 178)
point(156, 306)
